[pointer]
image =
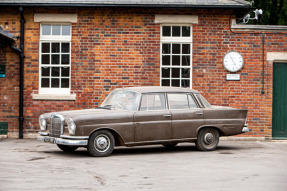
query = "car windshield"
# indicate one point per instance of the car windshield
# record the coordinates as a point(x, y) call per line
point(123, 100)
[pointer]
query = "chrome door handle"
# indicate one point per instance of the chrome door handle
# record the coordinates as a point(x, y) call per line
point(167, 116)
point(201, 114)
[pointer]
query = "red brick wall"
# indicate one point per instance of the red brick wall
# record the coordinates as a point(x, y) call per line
point(114, 48)
point(9, 91)
point(9, 86)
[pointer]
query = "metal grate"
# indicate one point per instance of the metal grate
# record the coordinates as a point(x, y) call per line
point(56, 126)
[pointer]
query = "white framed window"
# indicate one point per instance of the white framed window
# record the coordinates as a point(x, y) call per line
point(176, 55)
point(55, 59)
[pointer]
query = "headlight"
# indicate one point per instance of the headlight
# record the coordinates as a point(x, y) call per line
point(43, 123)
point(71, 126)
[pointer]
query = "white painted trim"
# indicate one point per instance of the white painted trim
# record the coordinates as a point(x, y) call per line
point(263, 28)
point(180, 40)
point(69, 97)
point(175, 19)
point(41, 17)
point(276, 56)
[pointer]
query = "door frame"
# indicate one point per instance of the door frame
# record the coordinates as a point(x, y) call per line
point(273, 101)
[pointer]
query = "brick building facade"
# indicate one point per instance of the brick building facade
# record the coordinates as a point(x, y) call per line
point(112, 47)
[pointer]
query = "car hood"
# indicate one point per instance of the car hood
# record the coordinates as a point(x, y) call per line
point(77, 114)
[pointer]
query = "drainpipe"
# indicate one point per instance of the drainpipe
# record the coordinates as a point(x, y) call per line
point(263, 71)
point(20, 52)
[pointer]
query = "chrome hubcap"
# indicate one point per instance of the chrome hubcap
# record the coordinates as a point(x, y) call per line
point(208, 138)
point(102, 143)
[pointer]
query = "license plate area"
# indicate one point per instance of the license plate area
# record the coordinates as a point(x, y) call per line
point(49, 140)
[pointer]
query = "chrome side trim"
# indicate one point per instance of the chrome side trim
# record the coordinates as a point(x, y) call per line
point(61, 141)
point(74, 137)
point(161, 141)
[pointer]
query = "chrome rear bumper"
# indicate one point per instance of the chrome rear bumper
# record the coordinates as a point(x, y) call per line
point(245, 129)
point(62, 141)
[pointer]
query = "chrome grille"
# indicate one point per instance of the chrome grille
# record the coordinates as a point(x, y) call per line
point(56, 125)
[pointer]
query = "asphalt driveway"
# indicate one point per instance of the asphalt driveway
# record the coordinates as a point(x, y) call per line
point(236, 165)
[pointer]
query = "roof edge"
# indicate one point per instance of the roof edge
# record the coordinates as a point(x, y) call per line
point(125, 5)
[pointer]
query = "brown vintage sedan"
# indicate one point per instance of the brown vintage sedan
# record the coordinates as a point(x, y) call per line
point(143, 116)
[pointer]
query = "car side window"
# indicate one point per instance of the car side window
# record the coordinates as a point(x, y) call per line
point(192, 103)
point(153, 101)
point(177, 101)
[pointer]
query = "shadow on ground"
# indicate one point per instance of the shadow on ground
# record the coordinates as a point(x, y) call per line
point(145, 150)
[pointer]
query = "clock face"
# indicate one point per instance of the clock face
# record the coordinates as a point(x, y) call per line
point(233, 61)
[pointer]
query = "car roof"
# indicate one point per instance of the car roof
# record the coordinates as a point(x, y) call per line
point(158, 89)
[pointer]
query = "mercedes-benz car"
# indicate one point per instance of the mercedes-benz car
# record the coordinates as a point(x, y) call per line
point(143, 116)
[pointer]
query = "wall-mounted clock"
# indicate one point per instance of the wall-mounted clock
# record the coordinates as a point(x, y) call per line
point(233, 61)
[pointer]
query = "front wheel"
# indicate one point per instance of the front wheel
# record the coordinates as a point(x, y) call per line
point(207, 139)
point(101, 143)
point(67, 148)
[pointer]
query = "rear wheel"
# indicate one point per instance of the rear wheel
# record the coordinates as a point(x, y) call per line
point(101, 143)
point(67, 148)
point(207, 139)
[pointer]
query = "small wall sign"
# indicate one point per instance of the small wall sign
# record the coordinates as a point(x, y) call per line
point(233, 77)
point(2, 71)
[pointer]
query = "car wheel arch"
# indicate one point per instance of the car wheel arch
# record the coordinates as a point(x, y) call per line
point(210, 126)
point(118, 139)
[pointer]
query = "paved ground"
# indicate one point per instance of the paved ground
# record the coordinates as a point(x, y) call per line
point(235, 165)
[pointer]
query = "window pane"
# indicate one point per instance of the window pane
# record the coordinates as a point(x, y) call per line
point(65, 59)
point(165, 82)
point(166, 60)
point(56, 59)
point(191, 101)
point(176, 60)
point(175, 72)
point(46, 29)
point(178, 101)
point(55, 71)
point(185, 73)
point(166, 31)
point(45, 59)
point(65, 47)
point(176, 31)
point(45, 83)
point(186, 31)
point(185, 83)
point(65, 72)
point(153, 102)
point(175, 48)
point(56, 29)
point(45, 47)
point(165, 72)
point(55, 47)
point(175, 83)
point(166, 48)
point(186, 60)
point(185, 48)
point(55, 82)
point(65, 83)
point(45, 71)
point(66, 29)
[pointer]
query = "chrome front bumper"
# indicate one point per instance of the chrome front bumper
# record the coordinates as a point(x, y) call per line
point(63, 141)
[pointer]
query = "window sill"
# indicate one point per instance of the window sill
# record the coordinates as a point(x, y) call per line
point(60, 97)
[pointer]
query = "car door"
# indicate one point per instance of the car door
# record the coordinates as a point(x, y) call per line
point(186, 115)
point(153, 120)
